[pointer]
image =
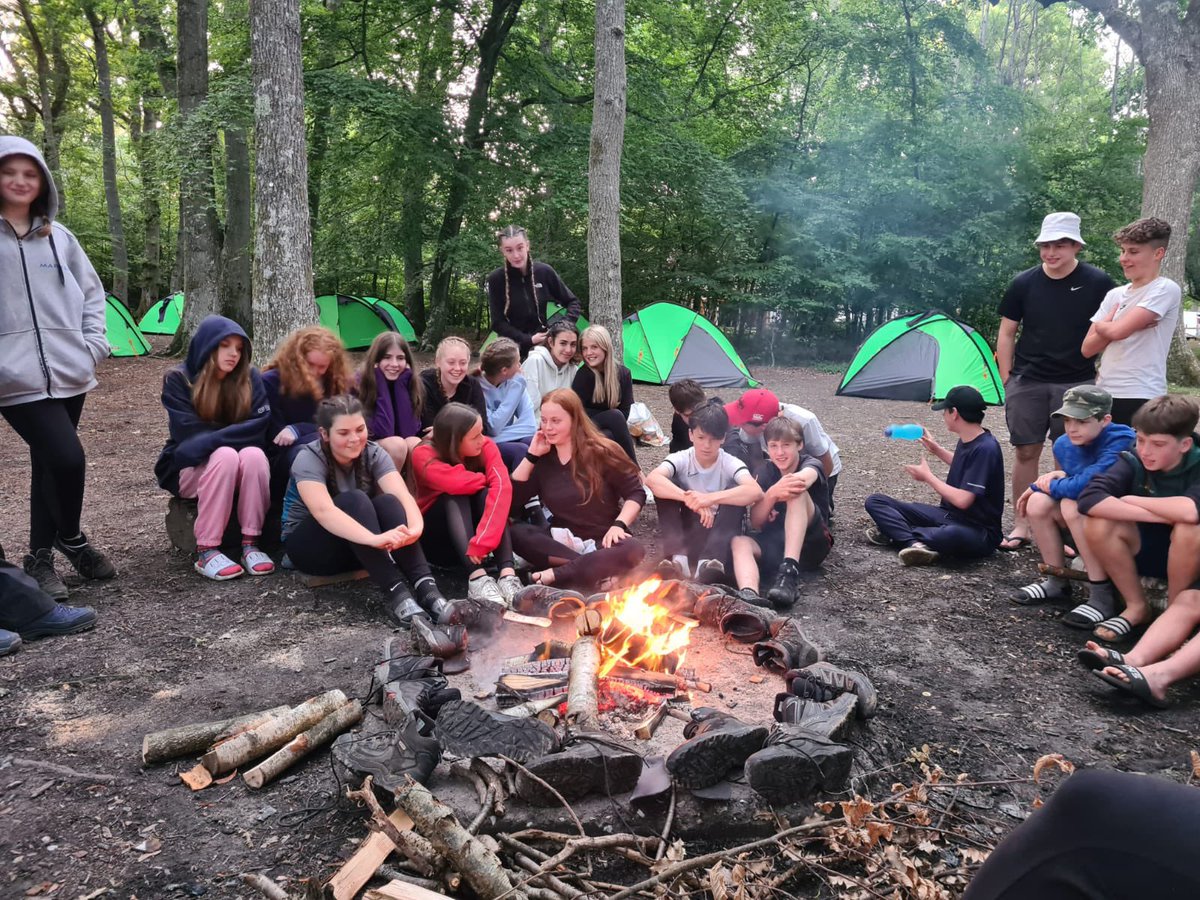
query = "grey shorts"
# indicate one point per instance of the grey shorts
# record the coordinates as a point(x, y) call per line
point(1028, 408)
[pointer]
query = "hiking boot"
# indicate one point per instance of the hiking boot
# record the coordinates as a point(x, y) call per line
point(753, 597)
point(877, 538)
point(509, 585)
point(61, 620)
point(403, 698)
point(710, 571)
point(918, 554)
point(548, 602)
point(87, 560)
point(787, 648)
point(40, 566)
point(733, 616)
point(389, 756)
point(485, 588)
point(831, 719)
point(796, 764)
point(468, 730)
point(10, 642)
point(401, 607)
point(400, 665)
point(429, 597)
point(445, 642)
point(591, 764)
point(716, 742)
point(478, 615)
point(787, 584)
point(824, 681)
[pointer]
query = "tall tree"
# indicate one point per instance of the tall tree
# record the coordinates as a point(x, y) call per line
point(283, 281)
point(112, 200)
point(1165, 37)
point(53, 82)
point(604, 170)
point(235, 249)
point(199, 232)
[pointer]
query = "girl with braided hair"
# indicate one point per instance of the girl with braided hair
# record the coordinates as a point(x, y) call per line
point(347, 507)
point(517, 292)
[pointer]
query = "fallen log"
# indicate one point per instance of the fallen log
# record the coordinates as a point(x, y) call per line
point(159, 746)
point(583, 703)
point(481, 868)
point(271, 734)
point(348, 714)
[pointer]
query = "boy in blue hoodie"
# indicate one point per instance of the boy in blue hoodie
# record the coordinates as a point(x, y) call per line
point(511, 421)
point(1090, 444)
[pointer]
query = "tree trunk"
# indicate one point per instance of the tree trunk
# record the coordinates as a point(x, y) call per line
point(51, 78)
point(283, 281)
point(199, 233)
point(235, 251)
point(151, 44)
point(120, 256)
point(604, 171)
point(491, 40)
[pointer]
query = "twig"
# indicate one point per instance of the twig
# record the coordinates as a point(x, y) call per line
point(61, 771)
point(573, 845)
point(390, 872)
point(485, 809)
point(555, 884)
point(551, 789)
point(590, 887)
point(265, 886)
point(492, 777)
point(466, 773)
point(666, 832)
point(419, 851)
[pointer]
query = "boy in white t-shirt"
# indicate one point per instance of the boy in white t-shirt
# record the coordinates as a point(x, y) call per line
point(702, 494)
point(1135, 323)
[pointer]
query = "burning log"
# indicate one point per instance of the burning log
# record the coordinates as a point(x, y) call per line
point(350, 713)
point(271, 734)
point(159, 746)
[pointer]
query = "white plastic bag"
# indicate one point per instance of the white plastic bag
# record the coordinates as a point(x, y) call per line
point(644, 427)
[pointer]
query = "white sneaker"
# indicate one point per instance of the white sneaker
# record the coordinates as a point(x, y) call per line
point(485, 588)
point(509, 585)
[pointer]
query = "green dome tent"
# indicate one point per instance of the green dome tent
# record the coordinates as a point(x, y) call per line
point(124, 338)
point(355, 320)
point(399, 319)
point(553, 311)
point(920, 357)
point(666, 343)
point(163, 317)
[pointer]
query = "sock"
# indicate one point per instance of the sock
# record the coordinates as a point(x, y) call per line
point(421, 581)
point(1102, 596)
point(249, 540)
point(477, 577)
point(76, 543)
point(682, 561)
point(1055, 585)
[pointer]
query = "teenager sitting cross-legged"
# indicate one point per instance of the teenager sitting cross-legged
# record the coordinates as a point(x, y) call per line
point(347, 507)
point(464, 492)
point(392, 395)
point(511, 420)
point(591, 490)
point(702, 494)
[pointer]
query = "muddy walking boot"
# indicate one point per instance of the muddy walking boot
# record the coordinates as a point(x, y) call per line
point(735, 617)
point(589, 764)
point(796, 764)
point(430, 598)
point(832, 719)
point(824, 681)
point(410, 683)
point(784, 591)
point(468, 730)
point(546, 601)
point(445, 642)
point(389, 756)
point(787, 648)
point(400, 605)
point(716, 743)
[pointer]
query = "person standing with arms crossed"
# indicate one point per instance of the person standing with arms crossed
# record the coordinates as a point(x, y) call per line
point(1052, 305)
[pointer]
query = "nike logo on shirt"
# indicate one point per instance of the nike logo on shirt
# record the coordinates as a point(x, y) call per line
point(1077, 288)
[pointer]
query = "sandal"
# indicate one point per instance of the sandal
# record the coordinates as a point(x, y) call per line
point(1136, 685)
point(255, 561)
point(1037, 592)
point(1099, 659)
point(1120, 627)
point(1083, 616)
point(216, 565)
point(1020, 542)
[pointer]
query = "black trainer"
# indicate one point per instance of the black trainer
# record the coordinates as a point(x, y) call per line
point(796, 764)
point(401, 606)
point(39, 565)
point(716, 743)
point(788, 647)
point(833, 718)
point(824, 681)
point(87, 560)
point(403, 698)
point(389, 756)
point(468, 730)
point(591, 764)
point(787, 585)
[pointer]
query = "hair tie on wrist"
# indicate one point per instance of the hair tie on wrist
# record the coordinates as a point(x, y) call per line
point(617, 523)
point(531, 459)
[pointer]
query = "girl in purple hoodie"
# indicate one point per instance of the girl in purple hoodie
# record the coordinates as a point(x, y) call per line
point(392, 396)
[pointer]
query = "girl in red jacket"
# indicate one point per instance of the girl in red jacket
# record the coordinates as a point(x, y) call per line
point(464, 493)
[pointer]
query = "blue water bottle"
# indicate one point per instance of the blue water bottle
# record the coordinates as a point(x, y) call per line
point(907, 432)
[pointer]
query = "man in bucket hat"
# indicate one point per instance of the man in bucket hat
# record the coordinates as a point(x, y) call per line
point(1052, 305)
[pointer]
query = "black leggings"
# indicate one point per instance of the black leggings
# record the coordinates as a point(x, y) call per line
point(573, 569)
point(449, 526)
point(612, 424)
point(1103, 836)
point(683, 535)
point(317, 552)
point(57, 466)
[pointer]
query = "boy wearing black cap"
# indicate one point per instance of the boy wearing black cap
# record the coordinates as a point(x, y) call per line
point(967, 521)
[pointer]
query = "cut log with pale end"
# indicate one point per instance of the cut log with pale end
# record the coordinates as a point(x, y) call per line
point(159, 746)
point(342, 718)
point(360, 868)
point(399, 890)
point(271, 734)
point(583, 702)
point(531, 708)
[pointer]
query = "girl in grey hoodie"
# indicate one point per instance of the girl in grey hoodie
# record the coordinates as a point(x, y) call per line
point(52, 335)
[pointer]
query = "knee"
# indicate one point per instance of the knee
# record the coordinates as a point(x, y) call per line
point(802, 505)
point(1028, 453)
point(1041, 506)
point(388, 503)
point(635, 551)
point(252, 459)
point(1070, 512)
point(1184, 535)
point(742, 546)
point(223, 459)
point(353, 503)
point(877, 502)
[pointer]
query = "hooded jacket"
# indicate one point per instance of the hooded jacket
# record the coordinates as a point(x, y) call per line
point(52, 322)
point(393, 415)
point(435, 477)
point(510, 416)
point(543, 375)
point(1085, 462)
point(191, 439)
point(1127, 476)
point(526, 316)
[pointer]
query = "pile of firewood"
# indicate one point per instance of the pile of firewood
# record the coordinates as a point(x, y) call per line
point(288, 734)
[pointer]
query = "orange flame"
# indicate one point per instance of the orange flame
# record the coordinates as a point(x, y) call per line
point(639, 632)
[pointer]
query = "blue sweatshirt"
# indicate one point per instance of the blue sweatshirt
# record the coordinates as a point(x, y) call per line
point(1083, 463)
point(192, 439)
point(509, 413)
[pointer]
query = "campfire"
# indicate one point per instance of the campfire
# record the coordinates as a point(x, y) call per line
point(638, 632)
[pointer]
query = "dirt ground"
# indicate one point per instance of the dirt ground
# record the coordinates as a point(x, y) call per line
point(987, 685)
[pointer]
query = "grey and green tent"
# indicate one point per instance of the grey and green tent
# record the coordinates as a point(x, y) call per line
point(124, 338)
point(920, 357)
point(163, 317)
point(666, 343)
point(355, 320)
point(399, 319)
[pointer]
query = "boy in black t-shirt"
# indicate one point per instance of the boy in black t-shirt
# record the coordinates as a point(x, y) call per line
point(686, 397)
point(790, 519)
point(967, 522)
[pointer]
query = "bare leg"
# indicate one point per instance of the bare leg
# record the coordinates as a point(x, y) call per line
point(1183, 561)
point(1076, 521)
point(1156, 654)
point(795, 525)
point(397, 449)
point(1045, 523)
point(745, 562)
point(1118, 543)
point(1025, 472)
